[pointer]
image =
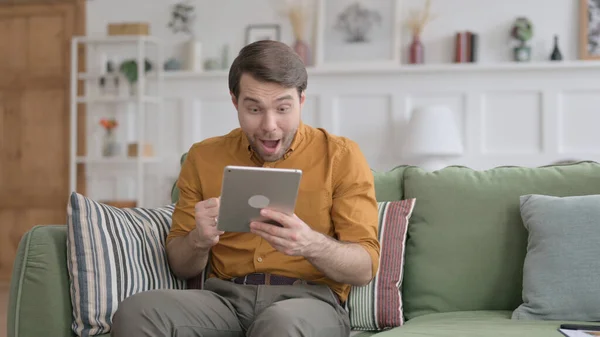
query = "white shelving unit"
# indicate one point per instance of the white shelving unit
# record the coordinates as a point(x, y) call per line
point(140, 99)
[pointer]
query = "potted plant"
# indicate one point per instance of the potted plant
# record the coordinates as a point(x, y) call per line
point(522, 31)
point(109, 142)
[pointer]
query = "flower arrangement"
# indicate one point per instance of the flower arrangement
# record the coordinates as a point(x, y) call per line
point(297, 11)
point(108, 124)
point(418, 20)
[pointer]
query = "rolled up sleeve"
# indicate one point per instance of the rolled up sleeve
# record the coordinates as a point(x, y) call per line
point(190, 193)
point(354, 209)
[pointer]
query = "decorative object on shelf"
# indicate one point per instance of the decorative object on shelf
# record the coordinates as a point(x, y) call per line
point(182, 20)
point(556, 54)
point(129, 28)
point(432, 137)
point(262, 32)
point(298, 13)
point(212, 64)
point(146, 150)
point(129, 69)
point(522, 31)
point(182, 17)
point(109, 140)
point(225, 57)
point(355, 32)
point(466, 47)
point(416, 23)
point(172, 64)
point(109, 82)
point(589, 29)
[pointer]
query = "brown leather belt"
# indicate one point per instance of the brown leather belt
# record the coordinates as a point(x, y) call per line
point(268, 279)
point(273, 279)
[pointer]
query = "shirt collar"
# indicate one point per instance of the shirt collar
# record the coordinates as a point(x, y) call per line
point(298, 138)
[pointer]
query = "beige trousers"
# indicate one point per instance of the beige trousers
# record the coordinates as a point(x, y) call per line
point(224, 309)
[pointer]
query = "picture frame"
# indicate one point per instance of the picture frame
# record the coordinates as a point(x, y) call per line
point(589, 29)
point(344, 40)
point(262, 32)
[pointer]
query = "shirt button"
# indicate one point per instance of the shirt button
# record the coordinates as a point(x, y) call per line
point(259, 259)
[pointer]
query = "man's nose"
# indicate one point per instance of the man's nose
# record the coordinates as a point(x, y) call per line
point(269, 122)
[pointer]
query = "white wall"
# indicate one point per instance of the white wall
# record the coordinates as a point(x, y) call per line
point(221, 22)
point(531, 114)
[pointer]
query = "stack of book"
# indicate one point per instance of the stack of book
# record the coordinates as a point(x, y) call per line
point(466, 47)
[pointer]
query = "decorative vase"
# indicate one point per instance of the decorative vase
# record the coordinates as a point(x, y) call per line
point(109, 144)
point(303, 50)
point(417, 52)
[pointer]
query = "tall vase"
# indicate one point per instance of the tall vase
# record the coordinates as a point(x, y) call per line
point(109, 144)
point(417, 51)
point(303, 50)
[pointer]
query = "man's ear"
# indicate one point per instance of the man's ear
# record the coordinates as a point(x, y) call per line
point(234, 100)
point(302, 98)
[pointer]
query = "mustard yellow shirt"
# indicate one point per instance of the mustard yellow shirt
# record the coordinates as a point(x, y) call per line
point(336, 197)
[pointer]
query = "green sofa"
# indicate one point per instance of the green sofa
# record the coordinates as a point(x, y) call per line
point(464, 256)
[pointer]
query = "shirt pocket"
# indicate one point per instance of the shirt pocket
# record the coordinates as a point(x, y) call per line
point(314, 208)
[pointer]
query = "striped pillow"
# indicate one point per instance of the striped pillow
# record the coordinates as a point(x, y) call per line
point(378, 305)
point(112, 254)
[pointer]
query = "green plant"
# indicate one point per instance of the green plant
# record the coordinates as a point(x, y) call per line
point(129, 69)
point(522, 30)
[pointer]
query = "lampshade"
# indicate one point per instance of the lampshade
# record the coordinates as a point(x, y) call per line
point(432, 131)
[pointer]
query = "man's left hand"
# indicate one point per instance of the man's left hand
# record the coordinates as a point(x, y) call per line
point(295, 237)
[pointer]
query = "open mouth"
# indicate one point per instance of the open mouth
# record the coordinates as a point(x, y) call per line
point(270, 146)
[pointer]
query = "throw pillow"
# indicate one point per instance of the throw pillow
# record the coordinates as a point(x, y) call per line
point(378, 305)
point(112, 254)
point(560, 273)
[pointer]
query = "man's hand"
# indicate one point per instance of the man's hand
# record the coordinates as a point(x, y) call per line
point(343, 262)
point(206, 213)
point(295, 238)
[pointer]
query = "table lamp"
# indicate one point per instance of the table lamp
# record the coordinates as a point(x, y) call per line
point(432, 136)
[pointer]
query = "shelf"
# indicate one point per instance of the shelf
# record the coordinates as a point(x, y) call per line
point(388, 68)
point(116, 160)
point(118, 99)
point(103, 39)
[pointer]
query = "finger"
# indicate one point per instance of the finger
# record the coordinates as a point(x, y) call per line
point(270, 229)
point(284, 219)
point(272, 239)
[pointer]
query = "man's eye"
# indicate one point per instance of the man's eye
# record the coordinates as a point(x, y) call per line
point(284, 109)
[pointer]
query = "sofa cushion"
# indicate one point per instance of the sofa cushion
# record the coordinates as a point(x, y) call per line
point(39, 286)
point(378, 305)
point(473, 324)
point(388, 184)
point(112, 254)
point(560, 275)
point(466, 241)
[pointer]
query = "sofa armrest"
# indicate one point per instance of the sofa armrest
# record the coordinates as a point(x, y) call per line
point(39, 299)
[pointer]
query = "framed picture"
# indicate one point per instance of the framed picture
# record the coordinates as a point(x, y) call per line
point(358, 31)
point(589, 29)
point(263, 32)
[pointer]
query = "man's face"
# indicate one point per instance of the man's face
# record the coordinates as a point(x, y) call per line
point(269, 115)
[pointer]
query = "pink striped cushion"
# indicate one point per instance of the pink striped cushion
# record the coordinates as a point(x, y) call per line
point(378, 305)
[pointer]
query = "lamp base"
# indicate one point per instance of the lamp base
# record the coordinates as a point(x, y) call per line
point(432, 164)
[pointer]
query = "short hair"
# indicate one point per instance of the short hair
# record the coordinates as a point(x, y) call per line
point(268, 61)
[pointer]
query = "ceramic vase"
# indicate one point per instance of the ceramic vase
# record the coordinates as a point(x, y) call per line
point(417, 52)
point(109, 143)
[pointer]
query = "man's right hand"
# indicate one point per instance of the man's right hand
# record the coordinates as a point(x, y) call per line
point(206, 213)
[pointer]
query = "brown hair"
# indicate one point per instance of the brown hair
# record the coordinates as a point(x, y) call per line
point(268, 61)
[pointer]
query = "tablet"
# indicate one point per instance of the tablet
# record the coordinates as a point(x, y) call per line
point(246, 190)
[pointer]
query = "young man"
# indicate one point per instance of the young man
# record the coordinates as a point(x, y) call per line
point(275, 281)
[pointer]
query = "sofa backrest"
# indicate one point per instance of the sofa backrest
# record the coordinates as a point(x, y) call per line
point(466, 240)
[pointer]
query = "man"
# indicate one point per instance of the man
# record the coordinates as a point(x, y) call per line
point(275, 281)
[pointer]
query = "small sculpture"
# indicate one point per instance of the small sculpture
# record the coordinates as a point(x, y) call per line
point(522, 31)
point(356, 22)
point(182, 17)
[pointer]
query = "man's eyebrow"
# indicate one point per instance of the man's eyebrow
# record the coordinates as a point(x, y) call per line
point(283, 98)
point(251, 99)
